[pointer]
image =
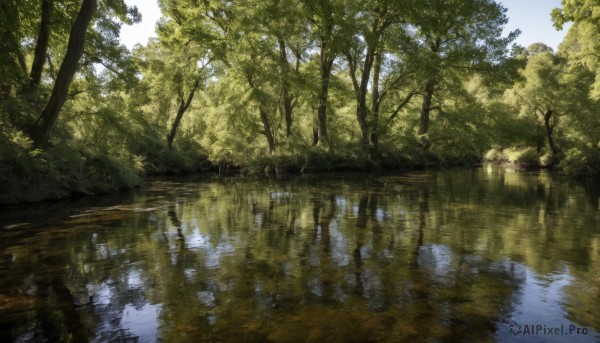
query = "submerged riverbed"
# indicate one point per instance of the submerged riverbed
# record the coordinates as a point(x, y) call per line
point(482, 255)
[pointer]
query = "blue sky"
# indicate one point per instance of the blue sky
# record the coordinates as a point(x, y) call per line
point(531, 16)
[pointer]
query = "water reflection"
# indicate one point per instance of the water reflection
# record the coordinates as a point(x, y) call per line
point(449, 256)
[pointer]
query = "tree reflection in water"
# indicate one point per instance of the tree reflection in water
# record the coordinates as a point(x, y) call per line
point(444, 256)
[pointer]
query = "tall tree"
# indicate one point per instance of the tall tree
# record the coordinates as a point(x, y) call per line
point(582, 43)
point(292, 41)
point(287, 97)
point(14, 27)
point(452, 37)
point(43, 126)
point(184, 104)
point(327, 20)
point(539, 94)
point(88, 44)
point(254, 63)
point(191, 38)
point(366, 54)
point(41, 46)
point(580, 49)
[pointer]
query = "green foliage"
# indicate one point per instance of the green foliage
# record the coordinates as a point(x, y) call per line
point(582, 161)
point(525, 157)
point(241, 84)
point(28, 174)
point(577, 11)
point(522, 157)
point(495, 155)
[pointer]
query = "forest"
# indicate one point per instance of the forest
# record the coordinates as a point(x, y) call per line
point(275, 86)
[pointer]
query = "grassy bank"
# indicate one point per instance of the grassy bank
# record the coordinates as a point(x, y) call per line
point(28, 174)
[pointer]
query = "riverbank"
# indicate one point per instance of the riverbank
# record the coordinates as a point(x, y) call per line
point(28, 175)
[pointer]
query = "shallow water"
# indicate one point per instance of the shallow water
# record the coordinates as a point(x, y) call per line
point(468, 255)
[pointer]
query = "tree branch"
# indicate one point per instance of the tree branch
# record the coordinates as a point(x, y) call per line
point(96, 59)
point(352, 71)
point(467, 67)
point(401, 105)
point(393, 84)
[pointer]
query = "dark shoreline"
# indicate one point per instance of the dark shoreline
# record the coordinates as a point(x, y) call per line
point(268, 172)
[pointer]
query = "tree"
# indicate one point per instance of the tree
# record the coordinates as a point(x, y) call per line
point(367, 54)
point(184, 62)
point(326, 20)
point(576, 11)
point(289, 39)
point(103, 37)
point(539, 94)
point(580, 49)
point(254, 63)
point(292, 41)
point(581, 45)
point(183, 106)
point(43, 126)
point(14, 27)
point(273, 76)
point(42, 43)
point(375, 21)
point(451, 37)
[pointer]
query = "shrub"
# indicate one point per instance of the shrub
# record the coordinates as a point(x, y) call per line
point(581, 162)
point(28, 174)
point(495, 155)
point(523, 157)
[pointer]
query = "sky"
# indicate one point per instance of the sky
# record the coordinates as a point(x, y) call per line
point(140, 32)
point(531, 16)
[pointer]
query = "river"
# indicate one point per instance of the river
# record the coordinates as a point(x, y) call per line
point(484, 254)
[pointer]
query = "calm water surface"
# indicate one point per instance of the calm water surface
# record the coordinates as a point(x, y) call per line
point(478, 255)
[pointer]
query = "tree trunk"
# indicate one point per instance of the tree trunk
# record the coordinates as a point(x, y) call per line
point(12, 61)
point(361, 106)
point(267, 130)
point(41, 46)
point(183, 106)
point(315, 135)
point(365, 125)
point(264, 116)
point(326, 64)
point(425, 110)
point(288, 108)
point(376, 101)
point(43, 126)
point(549, 131)
point(539, 137)
point(288, 99)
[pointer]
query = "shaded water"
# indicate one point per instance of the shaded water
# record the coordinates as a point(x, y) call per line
point(428, 256)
